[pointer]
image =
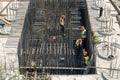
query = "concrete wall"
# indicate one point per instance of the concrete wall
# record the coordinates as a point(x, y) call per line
point(89, 40)
point(23, 44)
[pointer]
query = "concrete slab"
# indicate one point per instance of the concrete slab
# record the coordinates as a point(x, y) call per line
point(9, 42)
point(102, 55)
point(75, 77)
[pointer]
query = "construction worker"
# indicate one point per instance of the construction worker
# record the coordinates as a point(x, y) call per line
point(83, 35)
point(78, 44)
point(79, 53)
point(62, 24)
point(96, 39)
point(86, 58)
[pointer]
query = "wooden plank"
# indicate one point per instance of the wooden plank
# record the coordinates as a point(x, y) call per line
point(6, 0)
point(7, 22)
point(35, 75)
point(6, 6)
point(115, 6)
point(5, 35)
point(26, 75)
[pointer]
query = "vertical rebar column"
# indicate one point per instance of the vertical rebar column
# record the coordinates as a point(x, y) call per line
point(111, 47)
point(111, 25)
point(44, 57)
point(115, 49)
point(115, 66)
point(110, 71)
point(37, 4)
point(118, 71)
point(1, 68)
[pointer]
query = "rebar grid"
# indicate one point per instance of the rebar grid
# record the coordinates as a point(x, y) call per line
point(41, 50)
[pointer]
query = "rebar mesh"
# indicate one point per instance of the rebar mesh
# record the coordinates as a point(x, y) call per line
point(41, 50)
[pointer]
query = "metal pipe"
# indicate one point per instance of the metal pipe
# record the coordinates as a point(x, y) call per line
point(70, 68)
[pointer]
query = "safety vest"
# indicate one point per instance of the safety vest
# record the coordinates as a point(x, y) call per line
point(83, 33)
point(86, 59)
point(96, 39)
point(62, 22)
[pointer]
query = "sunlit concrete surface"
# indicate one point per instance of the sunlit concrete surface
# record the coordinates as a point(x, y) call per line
point(75, 77)
point(110, 44)
point(10, 35)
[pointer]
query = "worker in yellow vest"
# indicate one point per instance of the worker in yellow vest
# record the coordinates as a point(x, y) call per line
point(83, 35)
point(86, 57)
point(78, 46)
point(96, 39)
point(78, 42)
point(79, 52)
point(62, 23)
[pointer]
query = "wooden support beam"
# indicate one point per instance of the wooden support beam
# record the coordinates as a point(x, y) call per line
point(117, 22)
point(35, 75)
point(7, 22)
point(2, 14)
point(115, 6)
point(6, 0)
point(8, 36)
